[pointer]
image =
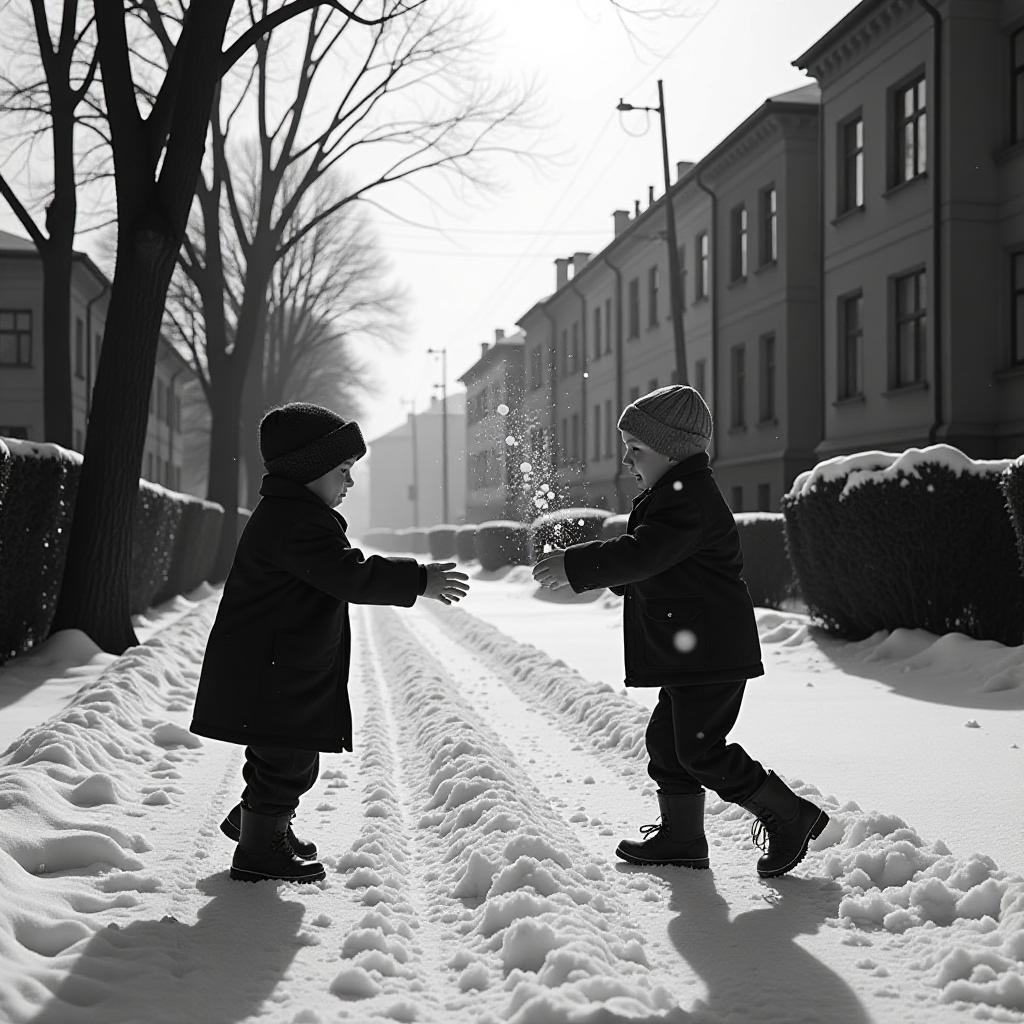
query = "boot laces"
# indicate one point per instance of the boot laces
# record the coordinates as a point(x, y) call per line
point(648, 830)
point(761, 832)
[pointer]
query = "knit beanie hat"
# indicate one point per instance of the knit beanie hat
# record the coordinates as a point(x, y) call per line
point(673, 420)
point(301, 442)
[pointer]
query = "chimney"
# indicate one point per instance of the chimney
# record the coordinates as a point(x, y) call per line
point(484, 346)
point(620, 218)
point(561, 272)
point(499, 334)
point(683, 167)
point(636, 207)
point(650, 195)
point(579, 261)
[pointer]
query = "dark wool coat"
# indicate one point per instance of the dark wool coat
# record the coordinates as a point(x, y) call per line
point(687, 615)
point(276, 666)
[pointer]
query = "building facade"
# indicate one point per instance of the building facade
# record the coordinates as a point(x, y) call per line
point(923, 228)
point(21, 360)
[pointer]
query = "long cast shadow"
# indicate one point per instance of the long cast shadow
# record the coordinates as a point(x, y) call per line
point(750, 964)
point(223, 968)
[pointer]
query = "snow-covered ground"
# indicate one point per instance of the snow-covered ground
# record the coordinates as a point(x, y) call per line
point(469, 839)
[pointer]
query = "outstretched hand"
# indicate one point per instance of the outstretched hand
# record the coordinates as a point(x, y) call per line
point(550, 571)
point(444, 584)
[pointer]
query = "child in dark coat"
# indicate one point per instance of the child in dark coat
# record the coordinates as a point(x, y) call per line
point(275, 673)
point(688, 628)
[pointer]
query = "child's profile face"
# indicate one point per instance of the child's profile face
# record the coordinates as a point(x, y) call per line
point(332, 487)
point(646, 465)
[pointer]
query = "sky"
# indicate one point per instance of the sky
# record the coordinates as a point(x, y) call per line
point(474, 263)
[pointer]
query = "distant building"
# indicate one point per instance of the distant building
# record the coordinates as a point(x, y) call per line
point(21, 360)
point(406, 469)
point(923, 197)
point(496, 444)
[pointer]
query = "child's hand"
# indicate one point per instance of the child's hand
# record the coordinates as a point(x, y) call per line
point(550, 571)
point(443, 584)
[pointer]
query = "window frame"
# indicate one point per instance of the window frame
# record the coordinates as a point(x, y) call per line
point(653, 283)
point(633, 297)
point(738, 387)
point(1017, 86)
point(767, 398)
point(22, 338)
point(849, 199)
point(1017, 308)
point(901, 121)
point(917, 320)
point(850, 338)
point(702, 279)
point(768, 235)
point(739, 232)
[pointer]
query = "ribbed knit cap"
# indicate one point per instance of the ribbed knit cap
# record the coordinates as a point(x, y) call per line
point(673, 420)
point(301, 441)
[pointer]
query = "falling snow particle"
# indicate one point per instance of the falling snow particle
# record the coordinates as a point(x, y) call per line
point(685, 641)
point(511, 441)
point(677, 486)
point(503, 409)
point(525, 467)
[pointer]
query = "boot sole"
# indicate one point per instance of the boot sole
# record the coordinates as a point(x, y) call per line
point(243, 875)
point(815, 830)
point(698, 863)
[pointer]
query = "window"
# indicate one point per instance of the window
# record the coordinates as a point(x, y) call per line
point(652, 385)
point(597, 332)
point(597, 431)
point(1017, 88)
point(764, 497)
point(700, 376)
point(79, 349)
point(563, 355)
point(607, 325)
point(769, 241)
point(682, 276)
point(1017, 329)
point(851, 165)
point(737, 498)
point(703, 282)
point(574, 351)
point(634, 308)
point(738, 243)
point(739, 385)
point(15, 337)
point(149, 465)
point(766, 403)
point(910, 329)
point(609, 426)
point(910, 149)
point(851, 334)
point(652, 297)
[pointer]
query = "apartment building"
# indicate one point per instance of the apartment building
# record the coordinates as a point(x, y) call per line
point(922, 109)
point(497, 446)
point(21, 360)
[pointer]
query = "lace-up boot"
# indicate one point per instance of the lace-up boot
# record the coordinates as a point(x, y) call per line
point(678, 839)
point(231, 826)
point(264, 852)
point(786, 823)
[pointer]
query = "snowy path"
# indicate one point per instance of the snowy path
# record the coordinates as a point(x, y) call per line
point(471, 877)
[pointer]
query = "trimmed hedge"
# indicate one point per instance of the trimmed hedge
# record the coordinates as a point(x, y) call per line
point(465, 542)
point(441, 541)
point(1012, 483)
point(157, 520)
point(195, 547)
point(766, 567)
point(380, 538)
point(501, 542)
point(916, 541)
point(614, 526)
point(566, 526)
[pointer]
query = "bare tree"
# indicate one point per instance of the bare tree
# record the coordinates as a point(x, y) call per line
point(47, 97)
point(157, 148)
point(404, 104)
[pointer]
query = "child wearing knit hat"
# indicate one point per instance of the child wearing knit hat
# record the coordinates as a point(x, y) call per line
point(689, 629)
point(275, 672)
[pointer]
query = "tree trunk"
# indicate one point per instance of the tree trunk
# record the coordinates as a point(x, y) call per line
point(94, 594)
point(57, 416)
point(225, 408)
point(253, 404)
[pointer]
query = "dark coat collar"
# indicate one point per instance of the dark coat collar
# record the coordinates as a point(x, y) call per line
point(698, 463)
point(281, 487)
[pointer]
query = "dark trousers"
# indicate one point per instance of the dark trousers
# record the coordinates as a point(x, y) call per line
point(275, 778)
point(686, 742)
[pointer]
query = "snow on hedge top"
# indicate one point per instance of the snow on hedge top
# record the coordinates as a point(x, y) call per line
point(876, 467)
point(40, 450)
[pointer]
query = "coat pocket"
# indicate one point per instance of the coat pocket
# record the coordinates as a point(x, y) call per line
point(675, 633)
point(299, 652)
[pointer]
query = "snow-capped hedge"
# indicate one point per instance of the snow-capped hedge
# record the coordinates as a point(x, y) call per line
point(465, 542)
point(766, 567)
point(412, 540)
point(38, 485)
point(380, 538)
point(1012, 482)
point(566, 526)
point(441, 541)
point(501, 542)
point(918, 540)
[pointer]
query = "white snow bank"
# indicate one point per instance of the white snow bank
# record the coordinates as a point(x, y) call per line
point(877, 467)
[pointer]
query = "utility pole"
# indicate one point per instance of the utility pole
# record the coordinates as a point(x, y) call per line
point(443, 353)
point(414, 487)
point(675, 283)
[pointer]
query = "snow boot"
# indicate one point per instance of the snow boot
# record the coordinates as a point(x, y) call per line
point(678, 839)
point(231, 827)
point(786, 823)
point(264, 852)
